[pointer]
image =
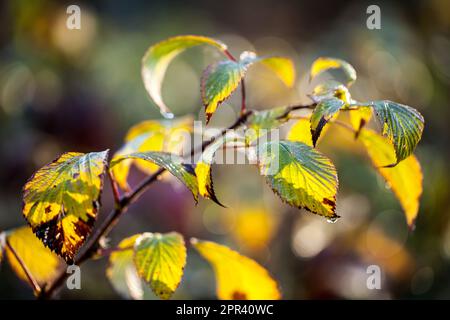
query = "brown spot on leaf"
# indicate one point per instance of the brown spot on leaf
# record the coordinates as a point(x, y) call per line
point(237, 295)
point(75, 175)
point(48, 209)
point(329, 202)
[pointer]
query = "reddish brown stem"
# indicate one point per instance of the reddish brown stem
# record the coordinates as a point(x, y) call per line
point(121, 207)
point(31, 280)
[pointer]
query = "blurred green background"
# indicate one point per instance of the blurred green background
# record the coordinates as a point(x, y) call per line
point(80, 90)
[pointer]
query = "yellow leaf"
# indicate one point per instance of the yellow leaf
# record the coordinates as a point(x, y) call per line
point(151, 135)
point(405, 179)
point(325, 63)
point(61, 200)
point(360, 117)
point(237, 277)
point(121, 271)
point(300, 175)
point(203, 169)
point(160, 260)
point(42, 264)
point(158, 57)
point(301, 132)
point(283, 67)
point(254, 227)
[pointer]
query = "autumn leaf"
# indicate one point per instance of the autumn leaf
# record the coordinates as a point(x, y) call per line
point(301, 176)
point(203, 168)
point(60, 201)
point(329, 89)
point(158, 57)
point(220, 79)
point(300, 131)
point(322, 113)
point(261, 122)
point(237, 277)
point(360, 117)
point(402, 125)
point(151, 135)
point(184, 172)
point(326, 63)
point(160, 260)
point(42, 264)
point(405, 179)
point(121, 270)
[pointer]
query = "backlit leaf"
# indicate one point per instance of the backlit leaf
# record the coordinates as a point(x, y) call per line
point(158, 57)
point(172, 163)
point(261, 122)
point(301, 176)
point(220, 79)
point(121, 270)
point(324, 111)
point(203, 168)
point(160, 260)
point(60, 201)
point(360, 117)
point(326, 63)
point(402, 125)
point(405, 179)
point(301, 132)
point(237, 277)
point(151, 135)
point(329, 89)
point(41, 263)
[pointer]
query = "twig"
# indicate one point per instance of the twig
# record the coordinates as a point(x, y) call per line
point(110, 221)
point(31, 280)
point(243, 107)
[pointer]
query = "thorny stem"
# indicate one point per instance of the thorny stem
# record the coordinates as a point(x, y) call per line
point(31, 280)
point(90, 248)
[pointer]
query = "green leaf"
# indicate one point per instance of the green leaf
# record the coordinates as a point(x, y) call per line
point(326, 63)
point(158, 57)
point(220, 79)
point(322, 113)
point(60, 201)
point(260, 122)
point(160, 260)
point(121, 270)
point(301, 176)
point(172, 163)
point(402, 125)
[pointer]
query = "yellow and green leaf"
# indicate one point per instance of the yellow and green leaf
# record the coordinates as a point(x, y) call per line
point(151, 135)
point(301, 176)
point(237, 277)
point(60, 201)
point(324, 111)
point(329, 89)
point(42, 264)
point(260, 122)
point(158, 57)
point(220, 79)
point(121, 270)
point(402, 125)
point(184, 172)
point(326, 63)
point(160, 260)
point(405, 179)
